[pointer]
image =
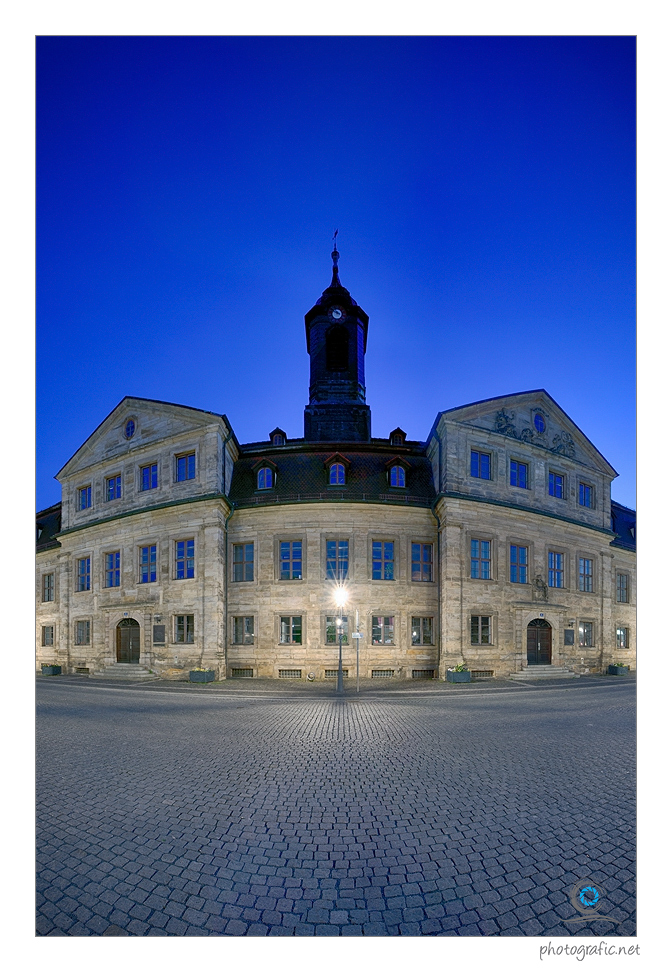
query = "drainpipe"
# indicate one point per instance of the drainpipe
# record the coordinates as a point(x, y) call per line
point(438, 575)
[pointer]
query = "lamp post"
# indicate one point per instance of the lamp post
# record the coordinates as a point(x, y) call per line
point(340, 598)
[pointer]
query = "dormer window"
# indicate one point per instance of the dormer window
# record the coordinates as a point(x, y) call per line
point(337, 474)
point(277, 440)
point(265, 478)
point(397, 476)
point(278, 437)
point(397, 437)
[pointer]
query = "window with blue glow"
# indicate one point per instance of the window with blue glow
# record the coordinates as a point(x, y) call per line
point(149, 476)
point(518, 474)
point(480, 559)
point(337, 474)
point(480, 464)
point(397, 476)
point(518, 564)
point(148, 564)
point(113, 569)
point(265, 478)
point(84, 574)
point(84, 497)
point(585, 495)
point(291, 560)
point(113, 488)
point(422, 562)
point(184, 559)
point(382, 560)
point(185, 467)
point(556, 485)
point(337, 559)
point(556, 569)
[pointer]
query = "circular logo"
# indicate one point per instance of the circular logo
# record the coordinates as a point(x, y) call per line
point(587, 897)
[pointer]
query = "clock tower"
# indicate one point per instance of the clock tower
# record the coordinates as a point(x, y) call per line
point(336, 332)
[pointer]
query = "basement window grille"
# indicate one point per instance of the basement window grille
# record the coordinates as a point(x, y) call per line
point(382, 673)
point(333, 673)
point(482, 674)
point(423, 673)
point(289, 673)
point(82, 671)
point(241, 673)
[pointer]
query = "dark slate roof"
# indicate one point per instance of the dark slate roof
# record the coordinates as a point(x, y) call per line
point(302, 474)
point(48, 525)
point(624, 525)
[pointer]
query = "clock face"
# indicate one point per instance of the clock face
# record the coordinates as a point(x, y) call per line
point(335, 313)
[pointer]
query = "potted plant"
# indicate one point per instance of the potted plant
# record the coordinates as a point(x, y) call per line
point(51, 669)
point(458, 674)
point(201, 675)
point(619, 668)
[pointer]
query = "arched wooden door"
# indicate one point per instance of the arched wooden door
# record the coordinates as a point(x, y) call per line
point(128, 642)
point(539, 642)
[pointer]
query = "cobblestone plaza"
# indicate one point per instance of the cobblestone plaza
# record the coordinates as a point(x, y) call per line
point(168, 809)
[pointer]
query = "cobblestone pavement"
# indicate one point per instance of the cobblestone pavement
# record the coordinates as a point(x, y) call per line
point(185, 810)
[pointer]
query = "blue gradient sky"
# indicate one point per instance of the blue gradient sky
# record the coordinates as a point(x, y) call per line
point(188, 189)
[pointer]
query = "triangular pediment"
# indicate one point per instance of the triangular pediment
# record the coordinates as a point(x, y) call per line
point(133, 425)
point(532, 417)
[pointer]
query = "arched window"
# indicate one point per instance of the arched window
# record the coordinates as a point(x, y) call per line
point(278, 439)
point(397, 440)
point(265, 478)
point(397, 476)
point(337, 474)
point(337, 348)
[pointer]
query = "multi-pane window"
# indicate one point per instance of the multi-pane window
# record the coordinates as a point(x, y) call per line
point(113, 569)
point(149, 476)
point(48, 635)
point(337, 474)
point(332, 628)
point(480, 559)
point(585, 495)
point(243, 631)
point(422, 631)
point(481, 629)
point(556, 569)
point(265, 478)
point(184, 559)
point(422, 562)
point(113, 488)
point(382, 560)
point(382, 630)
point(243, 561)
point(480, 464)
point(586, 634)
point(84, 498)
point(585, 574)
point(82, 632)
point(185, 467)
point(47, 587)
point(184, 629)
point(291, 560)
point(397, 476)
point(337, 559)
point(518, 474)
point(148, 564)
point(290, 630)
point(517, 564)
point(556, 485)
point(622, 637)
point(622, 591)
point(84, 574)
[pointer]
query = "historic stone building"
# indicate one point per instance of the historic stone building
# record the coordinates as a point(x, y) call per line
point(494, 543)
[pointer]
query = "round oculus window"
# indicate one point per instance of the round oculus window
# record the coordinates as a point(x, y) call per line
point(129, 429)
point(335, 313)
point(539, 423)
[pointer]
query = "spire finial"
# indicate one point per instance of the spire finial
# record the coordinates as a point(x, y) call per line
point(335, 282)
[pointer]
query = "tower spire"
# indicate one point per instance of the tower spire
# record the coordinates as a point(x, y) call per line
point(335, 282)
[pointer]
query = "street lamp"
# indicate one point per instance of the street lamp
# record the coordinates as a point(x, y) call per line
point(340, 598)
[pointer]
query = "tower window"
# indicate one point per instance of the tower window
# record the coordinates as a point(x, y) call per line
point(337, 348)
point(397, 476)
point(265, 478)
point(337, 474)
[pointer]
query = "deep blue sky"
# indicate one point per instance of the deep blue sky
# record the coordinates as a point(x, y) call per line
point(188, 189)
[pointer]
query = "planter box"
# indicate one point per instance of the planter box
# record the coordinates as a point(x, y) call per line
point(202, 676)
point(51, 669)
point(458, 676)
point(617, 670)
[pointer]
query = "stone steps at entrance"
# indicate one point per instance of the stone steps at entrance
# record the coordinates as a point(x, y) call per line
point(122, 670)
point(543, 671)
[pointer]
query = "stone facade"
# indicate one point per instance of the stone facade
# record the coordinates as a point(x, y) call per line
point(176, 547)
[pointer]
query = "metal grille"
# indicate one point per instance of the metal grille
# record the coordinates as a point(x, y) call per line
point(241, 673)
point(289, 673)
point(333, 673)
point(82, 671)
point(482, 674)
point(423, 673)
point(382, 673)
